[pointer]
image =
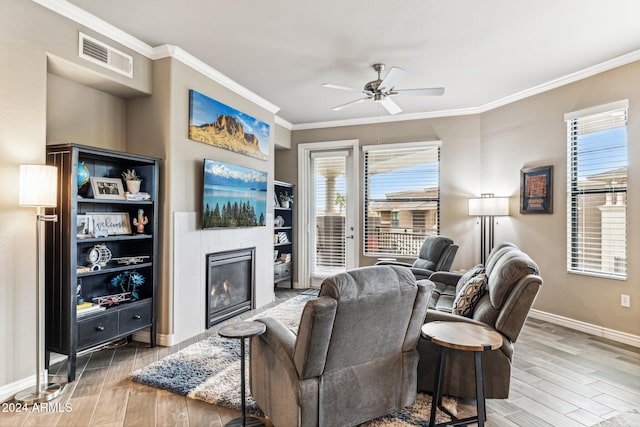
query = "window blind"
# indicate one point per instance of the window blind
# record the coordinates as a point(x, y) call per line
point(597, 189)
point(401, 197)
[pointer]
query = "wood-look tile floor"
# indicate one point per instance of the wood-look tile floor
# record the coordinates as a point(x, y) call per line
point(560, 377)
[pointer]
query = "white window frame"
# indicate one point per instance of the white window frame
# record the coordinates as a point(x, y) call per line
point(303, 206)
point(393, 147)
point(573, 192)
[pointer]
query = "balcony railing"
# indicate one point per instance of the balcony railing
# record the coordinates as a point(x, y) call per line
point(398, 243)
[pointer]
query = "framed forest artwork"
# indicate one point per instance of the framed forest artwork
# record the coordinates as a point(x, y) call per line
point(233, 196)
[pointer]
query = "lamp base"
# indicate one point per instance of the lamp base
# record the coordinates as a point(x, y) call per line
point(29, 397)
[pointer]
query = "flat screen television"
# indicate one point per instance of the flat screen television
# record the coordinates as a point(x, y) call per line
point(233, 196)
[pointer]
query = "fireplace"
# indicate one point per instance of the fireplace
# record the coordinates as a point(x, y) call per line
point(229, 284)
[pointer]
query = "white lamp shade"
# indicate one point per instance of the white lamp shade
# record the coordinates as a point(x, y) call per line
point(489, 206)
point(38, 185)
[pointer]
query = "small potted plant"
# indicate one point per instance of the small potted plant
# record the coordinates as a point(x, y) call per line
point(133, 180)
point(285, 199)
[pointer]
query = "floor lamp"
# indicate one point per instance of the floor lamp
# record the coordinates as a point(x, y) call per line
point(38, 188)
point(486, 207)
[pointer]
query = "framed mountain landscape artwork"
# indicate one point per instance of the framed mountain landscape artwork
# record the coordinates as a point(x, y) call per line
point(217, 124)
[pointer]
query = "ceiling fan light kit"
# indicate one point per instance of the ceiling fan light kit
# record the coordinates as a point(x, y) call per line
point(381, 90)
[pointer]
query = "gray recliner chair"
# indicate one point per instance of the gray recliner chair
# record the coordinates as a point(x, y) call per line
point(436, 254)
point(513, 283)
point(354, 358)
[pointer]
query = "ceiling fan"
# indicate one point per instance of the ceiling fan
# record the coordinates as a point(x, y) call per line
point(381, 90)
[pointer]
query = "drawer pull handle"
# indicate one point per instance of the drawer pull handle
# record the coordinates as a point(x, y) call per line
point(137, 317)
point(100, 328)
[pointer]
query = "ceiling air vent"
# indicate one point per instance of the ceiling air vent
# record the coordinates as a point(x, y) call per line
point(105, 55)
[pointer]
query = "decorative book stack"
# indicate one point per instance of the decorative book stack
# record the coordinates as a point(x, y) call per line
point(87, 308)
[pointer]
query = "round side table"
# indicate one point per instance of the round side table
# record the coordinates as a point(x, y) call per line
point(464, 337)
point(242, 330)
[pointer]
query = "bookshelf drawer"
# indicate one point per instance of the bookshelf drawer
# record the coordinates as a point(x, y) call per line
point(136, 317)
point(97, 329)
point(282, 271)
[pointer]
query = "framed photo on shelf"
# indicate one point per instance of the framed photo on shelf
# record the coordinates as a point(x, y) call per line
point(276, 202)
point(82, 226)
point(107, 188)
point(536, 190)
point(109, 223)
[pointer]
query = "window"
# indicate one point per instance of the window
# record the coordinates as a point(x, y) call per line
point(395, 219)
point(401, 197)
point(597, 190)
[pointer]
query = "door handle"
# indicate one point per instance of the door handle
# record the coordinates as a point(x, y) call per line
point(350, 237)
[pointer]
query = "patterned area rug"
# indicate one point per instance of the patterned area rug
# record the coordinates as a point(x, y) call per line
point(628, 419)
point(209, 370)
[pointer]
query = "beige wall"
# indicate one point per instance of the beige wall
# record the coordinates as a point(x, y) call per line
point(282, 137)
point(149, 132)
point(49, 95)
point(29, 35)
point(23, 89)
point(82, 115)
point(162, 122)
point(484, 153)
point(532, 133)
point(459, 168)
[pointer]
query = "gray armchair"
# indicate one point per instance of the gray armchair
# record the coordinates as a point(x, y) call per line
point(354, 358)
point(436, 254)
point(513, 282)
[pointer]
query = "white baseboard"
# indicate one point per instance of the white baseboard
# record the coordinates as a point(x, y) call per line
point(623, 337)
point(9, 390)
point(163, 340)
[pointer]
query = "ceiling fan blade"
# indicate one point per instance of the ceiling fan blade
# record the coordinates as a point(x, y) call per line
point(390, 106)
point(431, 91)
point(332, 86)
point(394, 74)
point(348, 104)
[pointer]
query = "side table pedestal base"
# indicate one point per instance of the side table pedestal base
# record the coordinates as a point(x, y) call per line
point(250, 422)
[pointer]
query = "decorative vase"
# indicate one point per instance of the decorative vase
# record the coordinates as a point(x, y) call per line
point(284, 204)
point(133, 187)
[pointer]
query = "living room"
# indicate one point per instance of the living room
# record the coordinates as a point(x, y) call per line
point(50, 96)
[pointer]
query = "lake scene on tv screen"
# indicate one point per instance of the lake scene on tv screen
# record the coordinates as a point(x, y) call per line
point(234, 196)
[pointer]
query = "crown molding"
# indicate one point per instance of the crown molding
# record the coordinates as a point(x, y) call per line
point(179, 54)
point(388, 119)
point(544, 87)
point(282, 122)
point(564, 80)
point(82, 17)
point(76, 14)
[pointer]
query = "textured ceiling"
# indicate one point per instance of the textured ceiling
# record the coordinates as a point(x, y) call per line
point(480, 51)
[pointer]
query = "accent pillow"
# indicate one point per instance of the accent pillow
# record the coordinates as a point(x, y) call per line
point(466, 300)
point(473, 271)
